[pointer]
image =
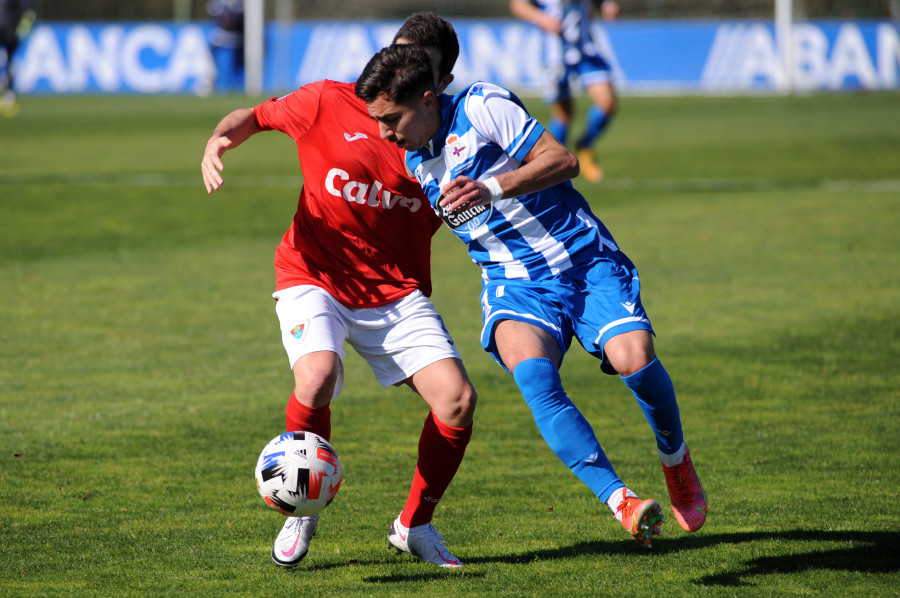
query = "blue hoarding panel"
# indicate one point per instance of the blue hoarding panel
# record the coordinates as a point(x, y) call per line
point(654, 56)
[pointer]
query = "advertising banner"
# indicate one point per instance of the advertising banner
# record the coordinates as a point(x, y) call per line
point(647, 57)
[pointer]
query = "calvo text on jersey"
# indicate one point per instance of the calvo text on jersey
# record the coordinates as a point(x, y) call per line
point(363, 193)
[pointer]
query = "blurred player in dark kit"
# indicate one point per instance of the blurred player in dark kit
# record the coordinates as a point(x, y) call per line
point(16, 20)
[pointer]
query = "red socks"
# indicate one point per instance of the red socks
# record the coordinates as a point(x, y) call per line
point(441, 450)
point(308, 419)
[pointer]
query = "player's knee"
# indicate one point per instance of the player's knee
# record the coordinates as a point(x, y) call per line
point(631, 362)
point(314, 381)
point(457, 408)
point(630, 352)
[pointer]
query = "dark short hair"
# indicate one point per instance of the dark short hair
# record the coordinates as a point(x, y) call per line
point(430, 30)
point(398, 72)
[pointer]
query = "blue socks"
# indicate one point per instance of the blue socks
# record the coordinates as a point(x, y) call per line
point(564, 428)
point(654, 392)
point(597, 120)
point(558, 129)
point(568, 433)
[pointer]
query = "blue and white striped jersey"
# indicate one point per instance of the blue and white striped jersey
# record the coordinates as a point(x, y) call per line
point(485, 131)
point(576, 40)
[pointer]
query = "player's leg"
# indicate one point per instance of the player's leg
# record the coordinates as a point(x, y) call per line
point(529, 340)
point(8, 44)
point(316, 377)
point(632, 355)
point(408, 343)
point(601, 111)
point(558, 96)
point(445, 386)
point(595, 76)
point(313, 330)
point(534, 355)
point(313, 335)
point(560, 119)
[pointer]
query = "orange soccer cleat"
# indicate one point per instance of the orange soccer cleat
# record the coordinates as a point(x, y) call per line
point(641, 518)
point(686, 493)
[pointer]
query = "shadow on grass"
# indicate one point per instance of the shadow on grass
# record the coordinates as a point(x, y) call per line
point(439, 575)
point(869, 552)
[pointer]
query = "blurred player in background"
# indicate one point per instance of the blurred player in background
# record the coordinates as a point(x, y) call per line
point(355, 266)
point(16, 20)
point(570, 54)
point(551, 271)
point(227, 42)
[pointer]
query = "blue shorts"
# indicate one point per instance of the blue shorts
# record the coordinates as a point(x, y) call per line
point(588, 70)
point(591, 303)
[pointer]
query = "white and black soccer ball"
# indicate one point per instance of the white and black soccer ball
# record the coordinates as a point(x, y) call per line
point(298, 473)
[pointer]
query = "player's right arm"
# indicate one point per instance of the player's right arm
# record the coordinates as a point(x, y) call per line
point(527, 11)
point(231, 131)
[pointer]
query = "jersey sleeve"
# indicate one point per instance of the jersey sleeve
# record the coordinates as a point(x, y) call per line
point(292, 114)
point(499, 116)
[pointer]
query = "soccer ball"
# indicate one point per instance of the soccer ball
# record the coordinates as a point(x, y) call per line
point(298, 473)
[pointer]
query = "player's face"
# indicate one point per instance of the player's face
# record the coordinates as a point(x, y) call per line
point(410, 124)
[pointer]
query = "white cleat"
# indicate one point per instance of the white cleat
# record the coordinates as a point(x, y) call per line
point(292, 542)
point(422, 541)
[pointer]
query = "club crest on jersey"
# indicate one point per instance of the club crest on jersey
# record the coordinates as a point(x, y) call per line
point(455, 150)
point(465, 220)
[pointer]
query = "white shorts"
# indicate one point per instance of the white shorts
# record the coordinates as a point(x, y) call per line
point(397, 340)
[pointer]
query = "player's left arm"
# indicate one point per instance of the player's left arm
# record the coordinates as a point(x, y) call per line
point(547, 163)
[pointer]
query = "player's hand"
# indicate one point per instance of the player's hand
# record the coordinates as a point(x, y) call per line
point(212, 165)
point(550, 24)
point(463, 193)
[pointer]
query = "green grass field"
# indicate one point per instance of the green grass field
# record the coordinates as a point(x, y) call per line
point(141, 370)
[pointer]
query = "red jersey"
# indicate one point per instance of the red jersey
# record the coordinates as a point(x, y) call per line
point(363, 228)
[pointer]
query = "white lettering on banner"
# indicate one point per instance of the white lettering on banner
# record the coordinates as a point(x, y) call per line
point(760, 59)
point(43, 60)
point(513, 60)
point(850, 59)
point(810, 56)
point(117, 59)
point(150, 39)
point(363, 193)
point(888, 54)
point(493, 57)
point(336, 52)
point(88, 58)
point(170, 58)
point(191, 60)
point(746, 57)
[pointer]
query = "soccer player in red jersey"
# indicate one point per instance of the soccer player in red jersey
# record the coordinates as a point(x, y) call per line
point(355, 266)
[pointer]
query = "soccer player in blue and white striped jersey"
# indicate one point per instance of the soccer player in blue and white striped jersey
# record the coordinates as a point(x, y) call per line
point(551, 270)
point(570, 54)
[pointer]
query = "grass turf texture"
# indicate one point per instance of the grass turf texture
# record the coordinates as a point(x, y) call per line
point(142, 371)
